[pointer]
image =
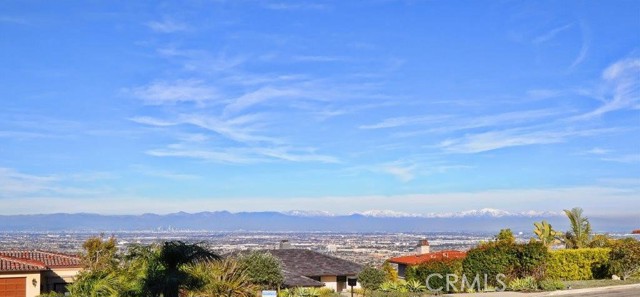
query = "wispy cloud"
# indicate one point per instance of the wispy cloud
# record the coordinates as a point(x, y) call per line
point(161, 173)
point(598, 151)
point(15, 183)
point(243, 155)
point(629, 158)
point(404, 174)
point(493, 140)
point(451, 123)
point(172, 92)
point(584, 48)
point(261, 95)
point(201, 61)
point(167, 26)
point(404, 121)
point(551, 34)
point(621, 88)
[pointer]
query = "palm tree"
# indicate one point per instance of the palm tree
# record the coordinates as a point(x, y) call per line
point(580, 233)
point(222, 278)
point(166, 274)
point(546, 234)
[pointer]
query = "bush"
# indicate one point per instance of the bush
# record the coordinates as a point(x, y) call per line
point(625, 257)
point(551, 285)
point(578, 264)
point(443, 267)
point(513, 260)
point(526, 284)
point(263, 269)
point(491, 259)
point(370, 278)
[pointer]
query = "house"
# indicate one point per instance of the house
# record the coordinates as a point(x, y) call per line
point(306, 268)
point(635, 231)
point(422, 255)
point(31, 273)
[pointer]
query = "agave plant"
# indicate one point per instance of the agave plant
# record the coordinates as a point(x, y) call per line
point(388, 286)
point(306, 292)
point(415, 286)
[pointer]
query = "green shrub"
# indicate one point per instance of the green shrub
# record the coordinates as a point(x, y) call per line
point(625, 257)
point(526, 284)
point(551, 285)
point(263, 269)
point(443, 267)
point(491, 259)
point(371, 278)
point(513, 260)
point(578, 264)
point(531, 260)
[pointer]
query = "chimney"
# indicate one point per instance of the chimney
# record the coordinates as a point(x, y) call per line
point(423, 247)
point(284, 244)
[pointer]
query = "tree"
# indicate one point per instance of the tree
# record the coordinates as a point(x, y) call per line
point(546, 234)
point(100, 277)
point(370, 278)
point(625, 257)
point(166, 274)
point(580, 233)
point(391, 274)
point(263, 269)
point(99, 253)
point(505, 236)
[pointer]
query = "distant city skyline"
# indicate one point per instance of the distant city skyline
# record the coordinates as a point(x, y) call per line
point(339, 106)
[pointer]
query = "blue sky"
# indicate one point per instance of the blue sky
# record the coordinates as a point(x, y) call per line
point(341, 106)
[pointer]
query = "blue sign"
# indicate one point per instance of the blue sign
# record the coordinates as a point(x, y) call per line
point(269, 294)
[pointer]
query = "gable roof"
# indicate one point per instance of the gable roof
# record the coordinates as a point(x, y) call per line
point(41, 259)
point(435, 256)
point(310, 263)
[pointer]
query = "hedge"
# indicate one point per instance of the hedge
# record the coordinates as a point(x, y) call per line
point(443, 267)
point(513, 260)
point(578, 264)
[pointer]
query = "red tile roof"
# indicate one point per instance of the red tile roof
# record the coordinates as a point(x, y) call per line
point(636, 231)
point(13, 264)
point(435, 256)
point(40, 259)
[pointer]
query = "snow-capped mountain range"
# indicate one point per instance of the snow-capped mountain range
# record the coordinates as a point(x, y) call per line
point(480, 220)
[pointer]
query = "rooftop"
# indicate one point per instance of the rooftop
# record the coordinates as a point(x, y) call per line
point(36, 261)
point(310, 263)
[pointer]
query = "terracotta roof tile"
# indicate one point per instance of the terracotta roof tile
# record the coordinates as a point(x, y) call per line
point(13, 264)
point(47, 259)
point(435, 256)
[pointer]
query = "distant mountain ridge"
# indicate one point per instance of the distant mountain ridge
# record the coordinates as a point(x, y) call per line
point(483, 220)
point(485, 212)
